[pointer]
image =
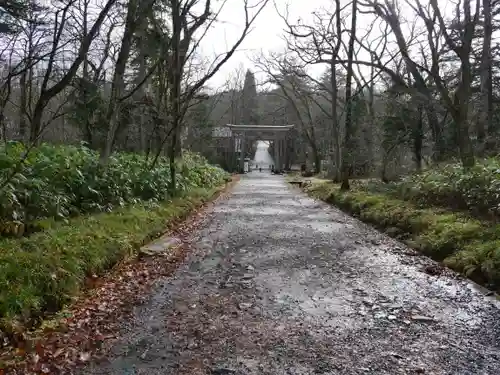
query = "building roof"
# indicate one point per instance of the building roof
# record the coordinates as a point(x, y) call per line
point(261, 127)
point(227, 131)
point(221, 132)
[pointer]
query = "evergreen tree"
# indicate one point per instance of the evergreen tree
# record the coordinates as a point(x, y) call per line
point(249, 104)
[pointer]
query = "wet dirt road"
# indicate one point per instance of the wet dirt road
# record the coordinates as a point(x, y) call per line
point(278, 283)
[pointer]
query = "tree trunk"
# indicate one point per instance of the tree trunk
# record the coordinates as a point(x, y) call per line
point(485, 113)
point(172, 166)
point(371, 123)
point(317, 159)
point(418, 135)
point(174, 97)
point(383, 172)
point(440, 151)
point(347, 154)
point(88, 128)
point(139, 97)
point(336, 141)
point(36, 122)
point(118, 85)
point(460, 117)
point(46, 94)
point(23, 100)
point(178, 141)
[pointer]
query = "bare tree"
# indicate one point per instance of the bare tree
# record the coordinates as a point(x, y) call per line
point(321, 43)
point(296, 91)
point(49, 92)
point(236, 90)
point(458, 102)
point(134, 18)
point(182, 47)
point(347, 158)
point(387, 10)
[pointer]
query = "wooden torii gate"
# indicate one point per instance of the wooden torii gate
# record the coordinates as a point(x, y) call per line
point(241, 135)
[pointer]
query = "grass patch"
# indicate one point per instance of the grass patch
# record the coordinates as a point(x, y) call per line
point(39, 274)
point(465, 244)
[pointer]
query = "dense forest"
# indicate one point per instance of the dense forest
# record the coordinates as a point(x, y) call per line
point(107, 120)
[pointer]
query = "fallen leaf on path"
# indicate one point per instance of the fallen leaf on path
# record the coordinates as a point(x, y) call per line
point(93, 320)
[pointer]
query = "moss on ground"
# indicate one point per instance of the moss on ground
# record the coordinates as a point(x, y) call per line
point(40, 273)
point(465, 244)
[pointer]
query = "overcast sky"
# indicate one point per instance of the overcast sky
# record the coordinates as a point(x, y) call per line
point(266, 34)
point(268, 31)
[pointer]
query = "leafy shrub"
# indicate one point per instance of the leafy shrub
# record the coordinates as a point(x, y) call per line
point(479, 260)
point(476, 190)
point(59, 182)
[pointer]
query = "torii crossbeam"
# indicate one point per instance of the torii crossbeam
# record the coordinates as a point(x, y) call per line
point(276, 133)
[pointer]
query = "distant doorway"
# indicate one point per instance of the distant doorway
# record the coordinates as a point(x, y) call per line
point(243, 135)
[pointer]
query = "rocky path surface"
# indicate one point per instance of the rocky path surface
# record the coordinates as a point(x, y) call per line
point(278, 283)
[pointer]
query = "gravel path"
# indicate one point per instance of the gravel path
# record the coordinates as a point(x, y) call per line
point(278, 283)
